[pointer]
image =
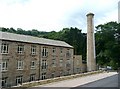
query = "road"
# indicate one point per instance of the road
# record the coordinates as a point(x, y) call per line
point(111, 81)
point(98, 80)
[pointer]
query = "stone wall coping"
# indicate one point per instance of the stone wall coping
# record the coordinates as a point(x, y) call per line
point(46, 81)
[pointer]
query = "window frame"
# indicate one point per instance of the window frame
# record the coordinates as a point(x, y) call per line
point(61, 51)
point(44, 64)
point(68, 53)
point(19, 78)
point(4, 80)
point(53, 50)
point(43, 76)
point(5, 68)
point(20, 49)
point(32, 77)
point(32, 66)
point(61, 62)
point(4, 48)
point(54, 62)
point(44, 52)
point(20, 65)
point(33, 50)
point(68, 63)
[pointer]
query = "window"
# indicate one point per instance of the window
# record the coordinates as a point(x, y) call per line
point(61, 50)
point(4, 82)
point(61, 62)
point(4, 66)
point(33, 50)
point(54, 49)
point(32, 64)
point(53, 63)
point(68, 72)
point(68, 53)
point(32, 77)
point(20, 49)
point(78, 70)
point(68, 63)
point(44, 64)
point(18, 80)
point(43, 76)
point(4, 48)
point(44, 52)
point(20, 65)
point(53, 75)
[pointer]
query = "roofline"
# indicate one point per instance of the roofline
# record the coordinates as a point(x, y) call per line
point(35, 42)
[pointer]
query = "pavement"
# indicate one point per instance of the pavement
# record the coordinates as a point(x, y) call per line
point(111, 81)
point(97, 80)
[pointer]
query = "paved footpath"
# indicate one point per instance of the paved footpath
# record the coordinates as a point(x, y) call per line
point(79, 81)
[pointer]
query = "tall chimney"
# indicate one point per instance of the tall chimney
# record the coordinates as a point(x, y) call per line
point(91, 61)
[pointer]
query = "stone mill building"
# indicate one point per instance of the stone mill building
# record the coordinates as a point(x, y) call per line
point(26, 58)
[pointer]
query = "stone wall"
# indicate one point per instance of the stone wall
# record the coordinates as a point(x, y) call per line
point(46, 81)
point(12, 57)
point(79, 66)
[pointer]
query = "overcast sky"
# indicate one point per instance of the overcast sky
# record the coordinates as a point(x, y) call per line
point(49, 15)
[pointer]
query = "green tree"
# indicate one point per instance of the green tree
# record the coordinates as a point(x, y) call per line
point(107, 44)
point(72, 36)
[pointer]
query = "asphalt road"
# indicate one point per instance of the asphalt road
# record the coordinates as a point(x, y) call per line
point(111, 81)
point(97, 81)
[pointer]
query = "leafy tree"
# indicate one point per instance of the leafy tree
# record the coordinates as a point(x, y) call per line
point(72, 36)
point(107, 44)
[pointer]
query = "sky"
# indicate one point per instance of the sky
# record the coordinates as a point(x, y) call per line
point(54, 15)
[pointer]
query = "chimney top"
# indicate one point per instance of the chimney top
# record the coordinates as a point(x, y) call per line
point(90, 14)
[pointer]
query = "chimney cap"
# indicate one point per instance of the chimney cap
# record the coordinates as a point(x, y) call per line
point(90, 14)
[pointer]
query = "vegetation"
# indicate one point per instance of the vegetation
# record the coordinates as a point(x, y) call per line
point(107, 38)
point(32, 32)
point(72, 36)
point(108, 44)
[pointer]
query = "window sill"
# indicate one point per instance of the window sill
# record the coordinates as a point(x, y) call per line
point(33, 54)
point(4, 70)
point(20, 53)
point(4, 53)
point(32, 68)
point(19, 69)
point(44, 69)
point(44, 56)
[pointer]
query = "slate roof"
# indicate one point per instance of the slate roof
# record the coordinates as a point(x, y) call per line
point(31, 39)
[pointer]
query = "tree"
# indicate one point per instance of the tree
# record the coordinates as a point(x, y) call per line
point(72, 36)
point(107, 44)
